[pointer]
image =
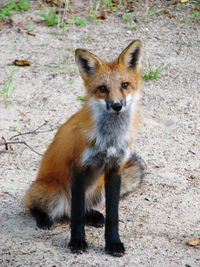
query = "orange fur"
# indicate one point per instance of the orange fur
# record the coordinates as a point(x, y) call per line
point(69, 143)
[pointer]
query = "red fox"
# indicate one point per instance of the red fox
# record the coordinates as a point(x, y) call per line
point(93, 153)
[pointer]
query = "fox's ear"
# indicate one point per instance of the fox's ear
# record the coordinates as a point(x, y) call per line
point(87, 62)
point(131, 57)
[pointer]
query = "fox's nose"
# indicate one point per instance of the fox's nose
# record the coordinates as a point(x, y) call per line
point(116, 106)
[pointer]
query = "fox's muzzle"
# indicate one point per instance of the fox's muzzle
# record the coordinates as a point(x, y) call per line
point(116, 106)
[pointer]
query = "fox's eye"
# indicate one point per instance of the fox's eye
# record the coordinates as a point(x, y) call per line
point(124, 85)
point(103, 89)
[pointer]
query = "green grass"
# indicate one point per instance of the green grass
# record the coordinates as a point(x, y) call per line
point(153, 10)
point(13, 8)
point(8, 87)
point(92, 15)
point(106, 5)
point(80, 98)
point(50, 17)
point(30, 25)
point(17, 126)
point(195, 14)
point(70, 82)
point(152, 73)
point(23, 5)
point(78, 21)
point(130, 23)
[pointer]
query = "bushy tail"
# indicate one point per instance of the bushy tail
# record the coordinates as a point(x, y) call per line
point(132, 175)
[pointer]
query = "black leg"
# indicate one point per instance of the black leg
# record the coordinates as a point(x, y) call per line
point(77, 243)
point(112, 190)
point(94, 218)
point(43, 221)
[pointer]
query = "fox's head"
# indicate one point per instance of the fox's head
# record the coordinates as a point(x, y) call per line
point(114, 85)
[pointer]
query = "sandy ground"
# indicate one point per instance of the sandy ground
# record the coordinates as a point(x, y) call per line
point(158, 219)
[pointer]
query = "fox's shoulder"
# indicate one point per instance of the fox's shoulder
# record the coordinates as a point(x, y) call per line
point(76, 124)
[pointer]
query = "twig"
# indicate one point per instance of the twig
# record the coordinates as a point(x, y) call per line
point(6, 143)
point(35, 131)
point(30, 132)
point(7, 193)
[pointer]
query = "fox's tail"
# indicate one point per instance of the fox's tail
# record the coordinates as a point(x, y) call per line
point(132, 175)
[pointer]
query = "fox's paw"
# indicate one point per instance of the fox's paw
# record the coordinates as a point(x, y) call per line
point(115, 249)
point(94, 218)
point(78, 246)
point(43, 221)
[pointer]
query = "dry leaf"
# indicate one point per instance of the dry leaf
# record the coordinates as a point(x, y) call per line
point(54, 2)
point(70, 22)
point(184, 1)
point(102, 15)
point(196, 9)
point(193, 242)
point(20, 24)
point(21, 63)
point(7, 23)
point(169, 14)
point(31, 33)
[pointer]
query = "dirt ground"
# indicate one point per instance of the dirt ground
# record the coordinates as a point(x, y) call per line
point(158, 219)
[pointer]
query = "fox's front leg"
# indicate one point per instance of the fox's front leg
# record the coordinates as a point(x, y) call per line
point(114, 246)
point(77, 243)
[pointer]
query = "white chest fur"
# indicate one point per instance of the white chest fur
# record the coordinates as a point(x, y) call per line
point(112, 136)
